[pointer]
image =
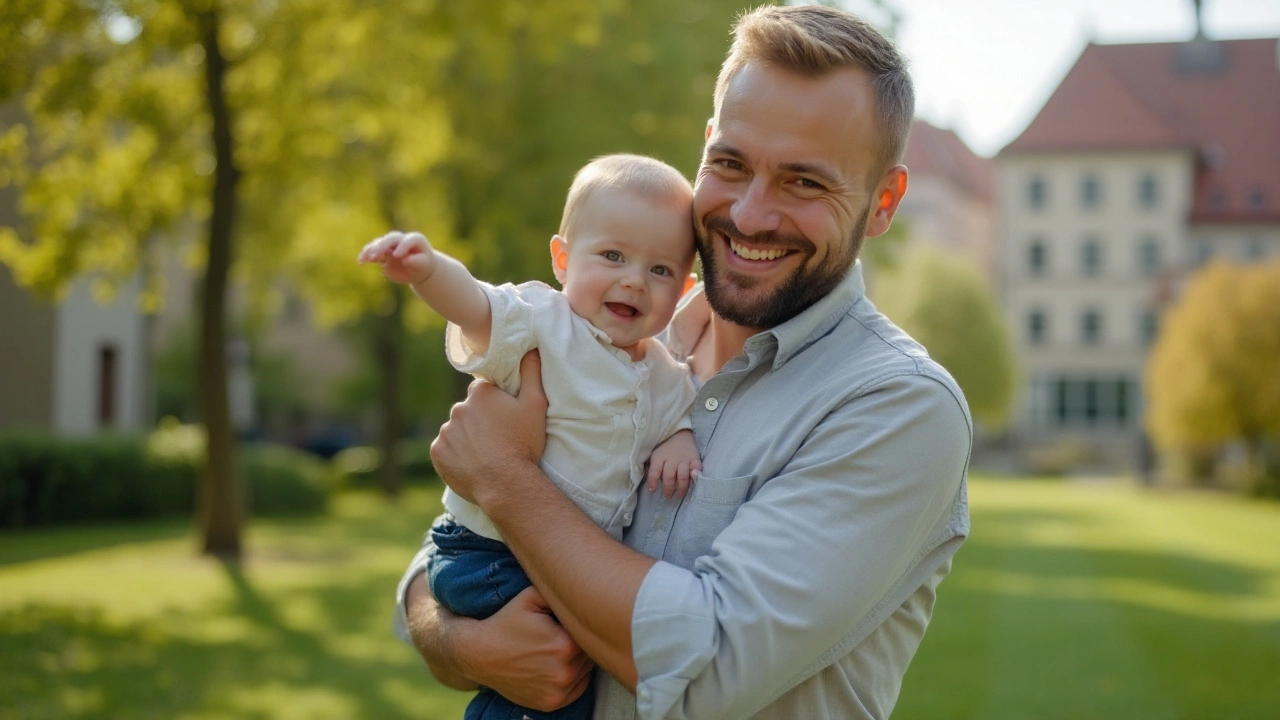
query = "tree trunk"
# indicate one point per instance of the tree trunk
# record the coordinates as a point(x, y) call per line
point(389, 349)
point(220, 508)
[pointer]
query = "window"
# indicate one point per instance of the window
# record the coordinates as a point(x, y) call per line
point(1148, 191)
point(106, 386)
point(1149, 256)
point(1037, 193)
point(1257, 199)
point(1037, 327)
point(1090, 192)
point(1091, 256)
point(1148, 327)
point(1085, 401)
point(1038, 257)
point(1255, 250)
point(1091, 327)
point(1204, 251)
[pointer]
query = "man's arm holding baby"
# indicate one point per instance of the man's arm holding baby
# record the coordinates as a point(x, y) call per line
point(441, 281)
point(521, 650)
point(568, 557)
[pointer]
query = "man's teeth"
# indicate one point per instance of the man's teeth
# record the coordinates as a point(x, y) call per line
point(745, 252)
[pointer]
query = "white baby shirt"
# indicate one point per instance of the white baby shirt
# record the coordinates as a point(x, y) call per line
point(605, 412)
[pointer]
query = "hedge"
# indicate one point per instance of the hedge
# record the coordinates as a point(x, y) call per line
point(46, 479)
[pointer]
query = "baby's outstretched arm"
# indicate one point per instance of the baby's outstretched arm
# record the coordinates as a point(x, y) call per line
point(676, 463)
point(441, 281)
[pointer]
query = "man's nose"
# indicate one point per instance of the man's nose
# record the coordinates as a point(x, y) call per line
point(756, 210)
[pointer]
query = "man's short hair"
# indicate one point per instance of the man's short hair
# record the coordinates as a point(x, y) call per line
point(637, 174)
point(813, 40)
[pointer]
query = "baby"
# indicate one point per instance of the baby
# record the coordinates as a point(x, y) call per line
point(616, 398)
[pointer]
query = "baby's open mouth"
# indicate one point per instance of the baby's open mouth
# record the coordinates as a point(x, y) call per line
point(622, 309)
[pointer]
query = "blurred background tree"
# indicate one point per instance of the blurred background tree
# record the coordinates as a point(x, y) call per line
point(944, 303)
point(287, 134)
point(1212, 377)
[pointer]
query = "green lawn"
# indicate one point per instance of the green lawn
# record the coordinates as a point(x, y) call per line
point(1072, 600)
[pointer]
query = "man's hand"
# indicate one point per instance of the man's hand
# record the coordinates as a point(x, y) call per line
point(520, 651)
point(405, 258)
point(491, 432)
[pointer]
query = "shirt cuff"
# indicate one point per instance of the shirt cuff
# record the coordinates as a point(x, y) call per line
point(673, 637)
point(400, 621)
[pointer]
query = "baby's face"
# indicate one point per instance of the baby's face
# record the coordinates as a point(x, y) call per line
point(629, 256)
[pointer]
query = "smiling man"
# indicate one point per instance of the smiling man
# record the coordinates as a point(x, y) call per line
point(797, 577)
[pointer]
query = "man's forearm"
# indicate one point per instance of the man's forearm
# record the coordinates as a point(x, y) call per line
point(589, 580)
point(433, 630)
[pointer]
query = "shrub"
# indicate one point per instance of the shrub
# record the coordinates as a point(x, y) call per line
point(358, 466)
point(45, 479)
point(284, 481)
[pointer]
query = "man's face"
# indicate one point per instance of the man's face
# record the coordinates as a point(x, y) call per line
point(783, 199)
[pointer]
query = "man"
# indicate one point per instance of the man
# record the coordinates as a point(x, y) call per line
point(797, 577)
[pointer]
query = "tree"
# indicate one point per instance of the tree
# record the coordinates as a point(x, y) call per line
point(1212, 375)
point(130, 132)
point(943, 302)
point(144, 118)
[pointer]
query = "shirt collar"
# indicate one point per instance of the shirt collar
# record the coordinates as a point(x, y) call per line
point(789, 338)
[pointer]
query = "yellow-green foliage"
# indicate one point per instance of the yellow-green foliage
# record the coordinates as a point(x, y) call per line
point(1214, 373)
point(945, 304)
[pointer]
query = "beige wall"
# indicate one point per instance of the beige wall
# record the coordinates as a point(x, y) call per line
point(83, 327)
point(26, 357)
point(1121, 291)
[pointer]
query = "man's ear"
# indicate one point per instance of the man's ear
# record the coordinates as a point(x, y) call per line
point(711, 125)
point(689, 282)
point(889, 192)
point(559, 258)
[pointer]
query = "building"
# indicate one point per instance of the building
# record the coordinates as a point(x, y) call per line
point(74, 366)
point(949, 201)
point(1146, 162)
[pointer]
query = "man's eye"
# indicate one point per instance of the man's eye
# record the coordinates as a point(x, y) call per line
point(612, 255)
point(661, 270)
point(729, 164)
point(808, 184)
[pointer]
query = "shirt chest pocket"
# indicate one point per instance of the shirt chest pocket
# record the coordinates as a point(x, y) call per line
point(710, 507)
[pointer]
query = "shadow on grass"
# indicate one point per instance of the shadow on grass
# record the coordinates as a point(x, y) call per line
point(50, 542)
point(65, 662)
point(1026, 630)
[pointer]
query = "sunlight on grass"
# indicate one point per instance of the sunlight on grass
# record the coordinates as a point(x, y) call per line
point(1070, 600)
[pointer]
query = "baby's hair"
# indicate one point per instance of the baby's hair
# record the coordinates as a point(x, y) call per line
point(637, 174)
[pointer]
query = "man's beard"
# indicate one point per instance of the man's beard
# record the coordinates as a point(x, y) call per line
point(797, 292)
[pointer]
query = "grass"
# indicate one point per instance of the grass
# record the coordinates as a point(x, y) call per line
point(1071, 600)
point(1077, 600)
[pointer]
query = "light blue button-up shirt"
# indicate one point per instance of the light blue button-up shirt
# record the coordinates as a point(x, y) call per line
point(797, 577)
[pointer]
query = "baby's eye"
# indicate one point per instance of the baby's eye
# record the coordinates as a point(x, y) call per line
point(612, 255)
point(661, 270)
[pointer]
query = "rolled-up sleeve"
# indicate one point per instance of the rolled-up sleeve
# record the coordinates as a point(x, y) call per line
point(820, 556)
point(400, 621)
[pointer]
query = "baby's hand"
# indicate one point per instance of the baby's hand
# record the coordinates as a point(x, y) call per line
point(405, 257)
point(676, 463)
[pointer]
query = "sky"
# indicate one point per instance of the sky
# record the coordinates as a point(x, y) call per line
point(983, 68)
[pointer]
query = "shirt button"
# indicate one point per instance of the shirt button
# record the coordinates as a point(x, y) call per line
point(712, 403)
point(640, 422)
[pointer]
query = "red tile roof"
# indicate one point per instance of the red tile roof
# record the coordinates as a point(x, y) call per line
point(1144, 97)
point(934, 151)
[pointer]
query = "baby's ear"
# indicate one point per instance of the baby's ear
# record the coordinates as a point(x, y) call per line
point(689, 282)
point(559, 258)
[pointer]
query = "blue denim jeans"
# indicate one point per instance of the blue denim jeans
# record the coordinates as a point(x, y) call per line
point(475, 576)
